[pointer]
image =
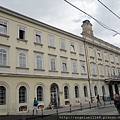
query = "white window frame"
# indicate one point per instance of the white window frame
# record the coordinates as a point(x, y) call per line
point(72, 47)
point(52, 63)
point(106, 56)
point(40, 60)
point(111, 58)
point(99, 54)
point(62, 44)
point(64, 65)
point(93, 68)
point(51, 40)
point(74, 66)
point(24, 34)
point(101, 72)
point(91, 52)
point(81, 49)
point(113, 71)
point(83, 67)
point(39, 36)
point(107, 70)
point(3, 27)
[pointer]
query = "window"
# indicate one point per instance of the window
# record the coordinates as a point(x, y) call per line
point(117, 60)
point(101, 69)
point(39, 62)
point(64, 65)
point(22, 60)
point(22, 94)
point(74, 66)
point(106, 56)
point(103, 90)
point(85, 92)
point(98, 54)
point(52, 62)
point(111, 58)
point(93, 69)
point(113, 71)
point(118, 72)
point(91, 52)
point(76, 92)
point(39, 93)
point(3, 57)
point(83, 70)
point(66, 92)
point(72, 47)
point(38, 37)
point(2, 95)
point(81, 49)
point(95, 90)
point(51, 40)
point(62, 44)
point(107, 71)
point(3, 27)
point(21, 32)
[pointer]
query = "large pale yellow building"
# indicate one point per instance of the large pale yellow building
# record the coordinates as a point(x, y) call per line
point(38, 60)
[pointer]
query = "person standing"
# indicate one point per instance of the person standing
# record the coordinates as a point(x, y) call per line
point(117, 102)
point(98, 99)
point(35, 105)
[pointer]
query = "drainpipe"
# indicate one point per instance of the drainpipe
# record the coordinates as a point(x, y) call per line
point(87, 69)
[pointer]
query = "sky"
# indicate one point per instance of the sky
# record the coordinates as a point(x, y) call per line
point(60, 14)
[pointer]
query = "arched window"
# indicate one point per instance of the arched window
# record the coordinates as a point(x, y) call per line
point(85, 91)
point(95, 90)
point(52, 61)
point(2, 95)
point(103, 90)
point(22, 60)
point(76, 92)
point(39, 93)
point(3, 57)
point(22, 94)
point(38, 62)
point(66, 92)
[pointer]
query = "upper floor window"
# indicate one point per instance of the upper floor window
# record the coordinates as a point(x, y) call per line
point(64, 65)
point(83, 70)
point(3, 57)
point(76, 92)
point(22, 94)
point(39, 93)
point(39, 62)
point(91, 52)
point(113, 70)
point(72, 47)
point(3, 27)
point(99, 54)
point(81, 49)
point(74, 66)
point(22, 60)
point(21, 32)
point(93, 68)
point(53, 64)
point(107, 71)
point(100, 69)
point(117, 59)
point(37, 37)
point(51, 40)
point(2, 95)
point(106, 56)
point(111, 58)
point(62, 44)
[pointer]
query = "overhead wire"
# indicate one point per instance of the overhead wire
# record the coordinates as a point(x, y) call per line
point(100, 23)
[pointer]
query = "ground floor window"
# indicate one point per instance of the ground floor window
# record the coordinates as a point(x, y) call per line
point(2, 95)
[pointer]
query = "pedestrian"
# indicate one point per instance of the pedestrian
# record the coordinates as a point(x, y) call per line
point(98, 99)
point(35, 105)
point(117, 102)
point(103, 98)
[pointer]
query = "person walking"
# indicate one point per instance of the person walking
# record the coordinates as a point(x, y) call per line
point(117, 102)
point(98, 99)
point(35, 105)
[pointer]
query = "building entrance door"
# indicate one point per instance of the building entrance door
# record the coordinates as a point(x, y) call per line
point(111, 92)
point(54, 91)
point(116, 89)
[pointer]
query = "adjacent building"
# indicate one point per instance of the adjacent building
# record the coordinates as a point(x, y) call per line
point(39, 60)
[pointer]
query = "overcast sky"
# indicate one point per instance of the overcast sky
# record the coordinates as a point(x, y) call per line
point(60, 14)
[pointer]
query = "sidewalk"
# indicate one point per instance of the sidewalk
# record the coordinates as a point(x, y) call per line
point(66, 109)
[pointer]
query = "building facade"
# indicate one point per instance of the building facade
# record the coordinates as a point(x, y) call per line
point(38, 60)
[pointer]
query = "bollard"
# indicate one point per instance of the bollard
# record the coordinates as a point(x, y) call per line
point(42, 112)
point(57, 110)
point(90, 104)
point(70, 108)
point(81, 106)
